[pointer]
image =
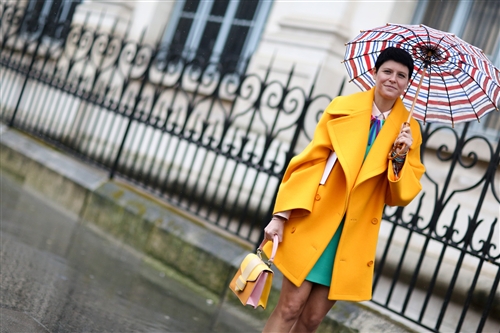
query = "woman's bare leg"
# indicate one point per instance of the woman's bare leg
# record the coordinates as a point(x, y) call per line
point(290, 305)
point(315, 310)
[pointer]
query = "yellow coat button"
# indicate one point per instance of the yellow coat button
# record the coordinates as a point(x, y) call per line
point(318, 197)
point(374, 221)
point(370, 263)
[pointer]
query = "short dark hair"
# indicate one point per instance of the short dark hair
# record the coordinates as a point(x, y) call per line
point(397, 55)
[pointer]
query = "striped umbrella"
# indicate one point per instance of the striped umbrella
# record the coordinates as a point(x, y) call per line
point(453, 81)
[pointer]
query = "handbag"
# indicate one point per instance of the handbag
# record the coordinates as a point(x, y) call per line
point(253, 280)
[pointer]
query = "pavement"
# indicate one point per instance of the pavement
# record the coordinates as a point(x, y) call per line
point(62, 275)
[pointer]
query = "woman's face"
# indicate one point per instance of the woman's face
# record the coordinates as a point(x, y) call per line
point(391, 80)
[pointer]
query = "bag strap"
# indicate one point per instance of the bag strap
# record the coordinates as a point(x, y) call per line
point(273, 252)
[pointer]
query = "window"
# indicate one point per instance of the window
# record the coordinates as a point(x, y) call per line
point(222, 30)
point(52, 17)
point(477, 22)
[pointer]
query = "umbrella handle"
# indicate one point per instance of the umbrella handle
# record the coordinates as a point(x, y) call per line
point(393, 150)
point(416, 94)
point(393, 153)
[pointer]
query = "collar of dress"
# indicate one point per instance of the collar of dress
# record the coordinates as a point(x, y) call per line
point(377, 114)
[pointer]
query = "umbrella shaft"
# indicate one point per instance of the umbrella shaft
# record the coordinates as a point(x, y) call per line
point(416, 94)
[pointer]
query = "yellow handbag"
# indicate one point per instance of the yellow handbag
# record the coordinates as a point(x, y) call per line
point(253, 280)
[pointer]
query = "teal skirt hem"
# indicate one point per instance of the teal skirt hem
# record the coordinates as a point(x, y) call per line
point(321, 273)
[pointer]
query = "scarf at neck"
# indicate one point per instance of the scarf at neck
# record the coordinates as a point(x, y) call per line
point(376, 124)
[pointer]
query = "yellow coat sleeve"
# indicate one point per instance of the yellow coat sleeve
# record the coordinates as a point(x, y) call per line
point(402, 191)
point(303, 174)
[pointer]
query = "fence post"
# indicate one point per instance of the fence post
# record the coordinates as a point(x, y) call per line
point(136, 102)
point(46, 23)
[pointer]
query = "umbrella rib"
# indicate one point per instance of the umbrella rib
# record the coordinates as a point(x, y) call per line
point(396, 34)
point(428, 36)
point(371, 41)
point(385, 40)
point(413, 79)
point(377, 40)
point(428, 92)
point(476, 67)
point(448, 48)
point(465, 93)
point(479, 69)
point(439, 72)
point(405, 39)
point(362, 55)
point(480, 86)
point(410, 30)
point(363, 73)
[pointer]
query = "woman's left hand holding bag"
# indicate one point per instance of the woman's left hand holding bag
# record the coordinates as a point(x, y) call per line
point(275, 227)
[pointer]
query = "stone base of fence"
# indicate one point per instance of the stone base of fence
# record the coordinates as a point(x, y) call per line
point(198, 251)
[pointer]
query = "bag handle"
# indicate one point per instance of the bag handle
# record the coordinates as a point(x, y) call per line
point(273, 252)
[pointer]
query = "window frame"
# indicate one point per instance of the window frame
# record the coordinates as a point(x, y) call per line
point(200, 19)
point(64, 13)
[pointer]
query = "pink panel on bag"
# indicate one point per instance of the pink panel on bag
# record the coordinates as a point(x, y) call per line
point(257, 291)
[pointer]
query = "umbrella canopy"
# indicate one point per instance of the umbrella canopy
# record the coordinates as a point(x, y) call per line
point(453, 81)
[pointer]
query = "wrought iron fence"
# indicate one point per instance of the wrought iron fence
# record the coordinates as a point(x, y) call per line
point(211, 140)
point(444, 247)
point(215, 142)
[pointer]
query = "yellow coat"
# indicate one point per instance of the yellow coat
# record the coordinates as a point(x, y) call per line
point(355, 189)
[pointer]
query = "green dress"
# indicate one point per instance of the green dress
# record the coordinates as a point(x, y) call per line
point(322, 271)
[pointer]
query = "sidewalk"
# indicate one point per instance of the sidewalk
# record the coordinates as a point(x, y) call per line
point(60, 274)
point(197, 250)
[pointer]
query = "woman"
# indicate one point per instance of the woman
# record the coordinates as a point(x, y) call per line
point(329, 206)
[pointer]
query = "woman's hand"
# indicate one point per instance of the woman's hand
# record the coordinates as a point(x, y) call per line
point(275, 227)
point(404, 140)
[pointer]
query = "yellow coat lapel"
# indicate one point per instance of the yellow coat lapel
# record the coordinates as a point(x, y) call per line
point(348, 131)
point(341, 132)
point(376, 162)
